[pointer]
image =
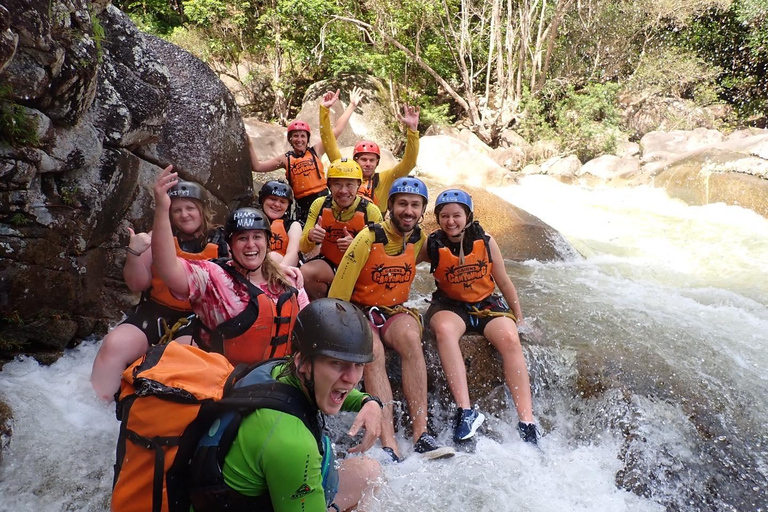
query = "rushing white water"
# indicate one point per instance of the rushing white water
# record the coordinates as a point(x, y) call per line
point(669, 303)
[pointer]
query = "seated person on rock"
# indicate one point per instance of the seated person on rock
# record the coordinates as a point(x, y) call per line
point(247, 305)
point(275, 200)
point(279, 462)
point(193, 238)
point(467, 265)
point(376, 274)
point(333, 222)
point(303, 168)
point(367, 154)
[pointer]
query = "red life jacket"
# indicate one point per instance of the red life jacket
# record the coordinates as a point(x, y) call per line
point(334, 228)
point(261, 331)
point(470, 282)
point(305, 173)
point(386, 280)
point(159, 292)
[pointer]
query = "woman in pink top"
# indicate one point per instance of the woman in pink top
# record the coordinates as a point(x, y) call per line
point(247, 305)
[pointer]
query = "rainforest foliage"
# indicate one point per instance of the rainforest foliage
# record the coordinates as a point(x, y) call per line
point(491, 63)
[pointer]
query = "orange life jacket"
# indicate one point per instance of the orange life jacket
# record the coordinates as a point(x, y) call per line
point(470, 282)
point(279, 241)
point(159, 292)
point(368, 188)
point(305, 173)
point(261, 331)
point(334, 228)
point(386, 280)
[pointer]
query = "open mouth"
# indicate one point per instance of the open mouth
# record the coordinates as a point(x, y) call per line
point(338, 395)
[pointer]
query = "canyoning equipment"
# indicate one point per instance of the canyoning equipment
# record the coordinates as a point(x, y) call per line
point(304, 173)
point(378, 315)
point(334, 228)
point(278, 240)
point(467, 423)
point(386, 280)
point(261, 331)
point(457, 196)
point(169, 333)
point(334, 328)
point(345, 168)
point(187, 190)
point(277, 188)
point(462, 270)
point(528, 432)
point(366, 146)
point(246, 219)
point(298, 125)
point(487, 313)
point(168, 400)
point(368, 187)
point(258, 389)
point(428, 446)
point(409, 185)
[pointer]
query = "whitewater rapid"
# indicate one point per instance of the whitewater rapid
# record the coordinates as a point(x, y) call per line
point(676, 292)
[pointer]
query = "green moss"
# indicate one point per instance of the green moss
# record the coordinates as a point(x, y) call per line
point(16, 127)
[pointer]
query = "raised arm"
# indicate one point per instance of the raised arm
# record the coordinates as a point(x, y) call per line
point(351, 265)
point(137, 271)
point(272, 164)
point(410, 118)
point(327, 101)
point(504, 282)
point(328, 137)
point(167, 264)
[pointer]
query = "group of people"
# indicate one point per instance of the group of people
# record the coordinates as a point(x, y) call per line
point(240, 291)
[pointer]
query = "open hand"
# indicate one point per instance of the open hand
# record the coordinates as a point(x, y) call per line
point(329, 98)
point(369, 418)
point(410, 116)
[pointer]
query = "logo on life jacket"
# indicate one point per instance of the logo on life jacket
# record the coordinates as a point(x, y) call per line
point(392, 275)
point(334, 234)
point(276, 242)
point(303, 167)
point(466, 274)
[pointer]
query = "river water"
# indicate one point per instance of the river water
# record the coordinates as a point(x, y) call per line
point(650, 379)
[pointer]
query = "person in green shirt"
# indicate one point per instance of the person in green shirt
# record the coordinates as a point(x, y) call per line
point(375, 186)
point(281, 462)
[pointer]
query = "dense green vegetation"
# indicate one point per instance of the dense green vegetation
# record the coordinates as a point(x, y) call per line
point(530, 64)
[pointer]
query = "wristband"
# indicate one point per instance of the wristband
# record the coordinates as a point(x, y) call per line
point(135, 253)
point(371, 398)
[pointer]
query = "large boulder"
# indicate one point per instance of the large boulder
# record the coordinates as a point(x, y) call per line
point(653, 113)
point(453, 161)
point(101, 115)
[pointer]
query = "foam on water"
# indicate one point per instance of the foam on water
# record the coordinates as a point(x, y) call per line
point(675, 295)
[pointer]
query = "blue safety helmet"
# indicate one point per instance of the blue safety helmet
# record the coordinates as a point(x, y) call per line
point(454, 195)
point(409, 185)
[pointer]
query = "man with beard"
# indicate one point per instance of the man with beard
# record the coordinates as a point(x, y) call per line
point(376, 274)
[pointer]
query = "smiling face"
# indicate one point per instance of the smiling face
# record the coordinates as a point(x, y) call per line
point(368, 162)
point(333, 379)
point(249, 248)
point(275, 207)
point(299, 140)
point(186, 216)
point(452, 220)
point(406, 211)
point(344, 190)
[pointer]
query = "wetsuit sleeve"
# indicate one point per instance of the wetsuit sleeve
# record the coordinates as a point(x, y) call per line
point(351, 264)
point(406, 165)
point(275, 453)
point(374, 214)
point(326, 135)
point(354, 401)
point(314, 212)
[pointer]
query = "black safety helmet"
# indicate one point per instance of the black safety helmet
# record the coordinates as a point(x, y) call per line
point(277, 188)
point(333, 328)
point(187, 190)
point(246, 219)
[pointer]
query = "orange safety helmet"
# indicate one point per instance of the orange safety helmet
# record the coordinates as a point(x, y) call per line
point(298, 125)
point(366, 146)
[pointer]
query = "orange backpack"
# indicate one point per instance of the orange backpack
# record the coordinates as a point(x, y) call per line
point(162, 412)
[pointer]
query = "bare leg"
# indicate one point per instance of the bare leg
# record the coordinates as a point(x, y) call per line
point(502, 333)
point(448, 328)
point(377, 383)
point(318, 277)
point(357, 479)
point(121, 347)
point(403, 334)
